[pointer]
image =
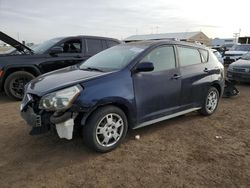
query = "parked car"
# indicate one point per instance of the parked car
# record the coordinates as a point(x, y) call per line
point(220, 49)
point(127, 86)
point(19, 66)
point(236, 53)
point(240, 70)
point(230, 45)
point(218, 55)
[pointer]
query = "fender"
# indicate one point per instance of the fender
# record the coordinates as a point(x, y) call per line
point(122, 103)
point(219, 86)
point(7, 70)
point(34, 68)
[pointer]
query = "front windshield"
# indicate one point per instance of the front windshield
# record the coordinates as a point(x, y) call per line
point(41, 48)
point(114, 58)
point(241, 48)
point(246, 56)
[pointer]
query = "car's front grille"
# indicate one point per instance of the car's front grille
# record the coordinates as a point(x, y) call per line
point(226, 60)
point(243, 70)
point(239, 69)
point(231, 55)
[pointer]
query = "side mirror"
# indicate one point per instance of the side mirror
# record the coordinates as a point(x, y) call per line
point(144, 67)
point(56, 50)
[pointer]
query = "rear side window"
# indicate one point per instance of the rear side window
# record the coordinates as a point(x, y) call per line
point(111, 43)
point(104, 44)
point(204, 55)
point(163, 58)
point(93, 46)
point(189, 56)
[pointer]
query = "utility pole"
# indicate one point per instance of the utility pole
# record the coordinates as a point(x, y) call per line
point(152, 30)
point(157, 29)
point(236, 36)
point(18, 36)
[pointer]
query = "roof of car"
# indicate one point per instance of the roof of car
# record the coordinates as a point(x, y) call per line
point(159, 42)
point(89, 36)
point(243, 44)
point(179, 35)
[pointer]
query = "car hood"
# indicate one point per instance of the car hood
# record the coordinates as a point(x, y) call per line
point(13, 60)
point(241, 63)
point(235, 52)
point(14, 43)
point(61, 79)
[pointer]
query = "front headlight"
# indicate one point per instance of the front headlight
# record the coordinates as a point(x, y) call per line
point(60, 100)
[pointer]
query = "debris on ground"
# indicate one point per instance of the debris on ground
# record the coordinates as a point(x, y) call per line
point(137, 137)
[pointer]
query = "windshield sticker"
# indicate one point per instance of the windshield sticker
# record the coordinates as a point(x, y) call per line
point(135, 49)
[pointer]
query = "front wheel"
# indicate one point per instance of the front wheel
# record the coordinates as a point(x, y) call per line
point(15, 82)
point(211, 102)
point(105, 129)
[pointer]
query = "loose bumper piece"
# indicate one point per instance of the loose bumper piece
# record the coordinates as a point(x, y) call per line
point(65, 129)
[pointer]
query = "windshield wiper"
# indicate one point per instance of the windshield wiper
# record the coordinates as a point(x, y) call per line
point(92, 69)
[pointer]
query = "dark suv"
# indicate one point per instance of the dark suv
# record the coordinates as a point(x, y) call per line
point(22, 64)
point(127, 86)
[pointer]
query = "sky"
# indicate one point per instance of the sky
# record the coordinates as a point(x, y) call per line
point(39, 20)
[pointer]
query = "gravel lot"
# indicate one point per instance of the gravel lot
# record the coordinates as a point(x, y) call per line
point(182, 152)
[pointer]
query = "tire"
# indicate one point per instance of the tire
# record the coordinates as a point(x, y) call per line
point(19, 77)
point(209, 109)
point(99, 134)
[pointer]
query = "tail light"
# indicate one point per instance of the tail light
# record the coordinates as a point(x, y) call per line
point(1, 73)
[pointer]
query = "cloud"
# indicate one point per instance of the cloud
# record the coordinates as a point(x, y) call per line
point(40, 20)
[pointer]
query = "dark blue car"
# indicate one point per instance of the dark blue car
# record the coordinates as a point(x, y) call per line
point(127, 86)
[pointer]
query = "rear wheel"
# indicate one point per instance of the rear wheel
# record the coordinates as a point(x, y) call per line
point(211, 102)
point(15, 82)
point(105, 129)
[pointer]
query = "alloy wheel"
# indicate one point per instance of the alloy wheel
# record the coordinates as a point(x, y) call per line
point(109, 130)
point(212, 101)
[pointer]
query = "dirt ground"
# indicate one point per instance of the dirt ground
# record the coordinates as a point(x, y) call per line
point(182, 152)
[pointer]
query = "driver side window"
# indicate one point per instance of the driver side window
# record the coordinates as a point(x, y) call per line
point(162, 57)
point(72, 46)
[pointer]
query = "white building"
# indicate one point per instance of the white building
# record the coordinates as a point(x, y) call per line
point(197, 36)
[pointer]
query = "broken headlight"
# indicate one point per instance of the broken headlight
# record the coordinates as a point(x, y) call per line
point(60, 100)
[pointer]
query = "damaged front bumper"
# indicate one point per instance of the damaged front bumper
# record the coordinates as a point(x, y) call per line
point(43, 121)
point(38, 122)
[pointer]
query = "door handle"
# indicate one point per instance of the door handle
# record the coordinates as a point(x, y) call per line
point(206, 70)
point(176, 77)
